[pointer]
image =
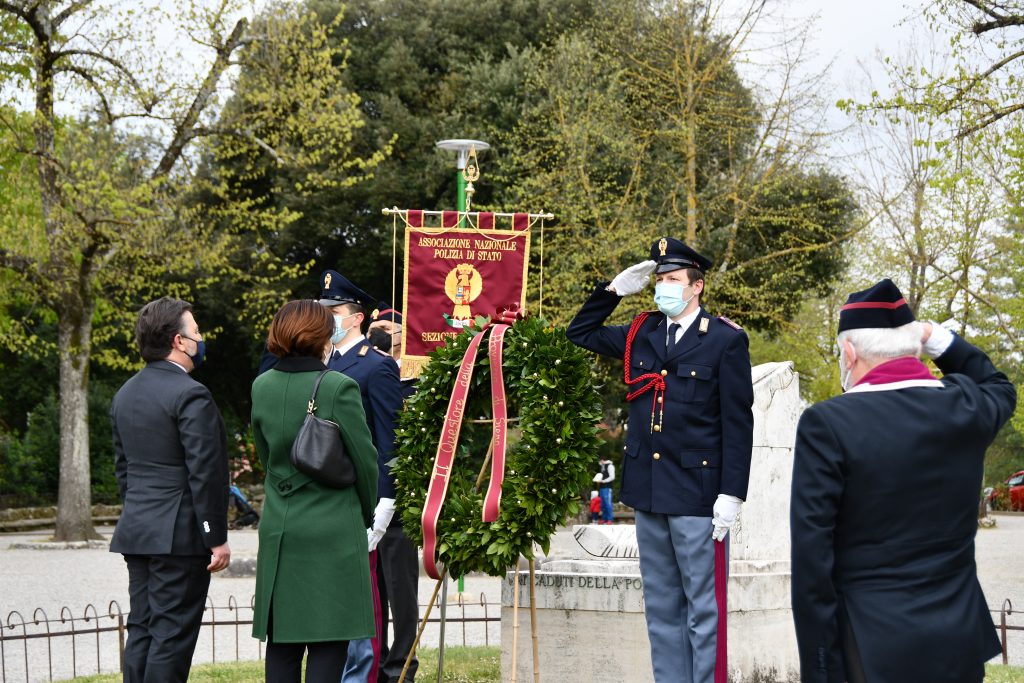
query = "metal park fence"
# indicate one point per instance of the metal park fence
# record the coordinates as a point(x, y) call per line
point(44, 648)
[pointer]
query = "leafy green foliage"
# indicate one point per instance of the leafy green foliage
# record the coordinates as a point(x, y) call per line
point(30, 468)
point(548, 462)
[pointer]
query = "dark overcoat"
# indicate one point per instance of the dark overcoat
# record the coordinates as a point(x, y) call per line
point(312, 568)
point(883, 516)
point(381, 389)
point(171, 463)
point(702, 445)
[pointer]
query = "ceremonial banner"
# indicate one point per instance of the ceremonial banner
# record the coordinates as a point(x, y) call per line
point(453, 275)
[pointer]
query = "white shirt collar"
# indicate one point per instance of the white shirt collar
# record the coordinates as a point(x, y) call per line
point(345, 348)
point(684, 323)
point(179, 365)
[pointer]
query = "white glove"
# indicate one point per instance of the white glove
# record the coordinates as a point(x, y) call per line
point(726, 509)
point(633, 279)
point(382, 515)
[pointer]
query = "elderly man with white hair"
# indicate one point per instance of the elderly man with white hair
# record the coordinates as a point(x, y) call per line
point(886, 479)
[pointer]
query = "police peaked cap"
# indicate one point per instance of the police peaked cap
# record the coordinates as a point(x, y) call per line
point(671, 254)
point(336, 289)
point(385, 312)
point(880, 306)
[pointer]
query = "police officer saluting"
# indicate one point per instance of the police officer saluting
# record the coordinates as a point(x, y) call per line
point(377, 375)
point(687, 454)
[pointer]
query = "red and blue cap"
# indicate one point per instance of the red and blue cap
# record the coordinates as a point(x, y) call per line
point(880, 306)
point(386, 312)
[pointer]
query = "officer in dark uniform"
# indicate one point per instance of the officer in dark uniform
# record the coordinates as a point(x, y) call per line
point(688, 446)
point(398, 569)
point(377, 375)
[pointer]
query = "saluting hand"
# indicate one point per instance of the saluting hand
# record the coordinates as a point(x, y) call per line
point(633, 279)
point(221, 558)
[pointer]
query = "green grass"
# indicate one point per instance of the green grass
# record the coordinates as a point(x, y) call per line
point(997, 673)
point(461, 665)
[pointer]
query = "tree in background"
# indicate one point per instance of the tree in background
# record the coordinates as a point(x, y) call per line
point(944, 185)
point(111, 230)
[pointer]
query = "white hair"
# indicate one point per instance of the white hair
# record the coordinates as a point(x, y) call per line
point(875, 344)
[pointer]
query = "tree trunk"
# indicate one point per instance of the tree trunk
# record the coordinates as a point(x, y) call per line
point(74, 497)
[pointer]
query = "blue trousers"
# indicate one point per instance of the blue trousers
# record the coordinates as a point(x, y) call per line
point(606, 504)
point(677, 564)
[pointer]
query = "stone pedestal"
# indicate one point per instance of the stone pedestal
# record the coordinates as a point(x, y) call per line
point(590, 605)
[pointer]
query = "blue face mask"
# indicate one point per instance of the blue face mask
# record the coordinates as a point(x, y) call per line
point(668, 297)
point(200, 353)
point(339, 331)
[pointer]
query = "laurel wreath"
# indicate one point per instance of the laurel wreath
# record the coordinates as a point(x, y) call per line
point(549, 387)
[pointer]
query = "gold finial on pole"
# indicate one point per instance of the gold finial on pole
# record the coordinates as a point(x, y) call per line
point(471, 173)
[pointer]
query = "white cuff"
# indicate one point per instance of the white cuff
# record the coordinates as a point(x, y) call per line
point(939, 341)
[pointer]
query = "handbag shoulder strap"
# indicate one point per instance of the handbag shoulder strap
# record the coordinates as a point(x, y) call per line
point(311, 406)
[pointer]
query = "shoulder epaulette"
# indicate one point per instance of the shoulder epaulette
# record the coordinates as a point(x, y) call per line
point(730, 323)
point(362, 351)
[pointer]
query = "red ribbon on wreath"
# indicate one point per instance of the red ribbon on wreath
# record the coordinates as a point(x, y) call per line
point(437, 489)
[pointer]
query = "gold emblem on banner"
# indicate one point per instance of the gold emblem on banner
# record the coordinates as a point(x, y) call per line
point(463, 285)
point(662, 246)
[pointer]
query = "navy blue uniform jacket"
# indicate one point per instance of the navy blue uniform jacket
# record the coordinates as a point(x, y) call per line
point(381, 390)
point(883, 516)
point(705, 441)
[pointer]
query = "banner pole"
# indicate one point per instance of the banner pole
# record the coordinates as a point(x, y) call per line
point(460, 195)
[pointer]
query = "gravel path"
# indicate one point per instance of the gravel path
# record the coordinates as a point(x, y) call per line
point(35, 582)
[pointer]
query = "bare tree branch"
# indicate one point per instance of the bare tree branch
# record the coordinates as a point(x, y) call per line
point(89, 78)
point(990, 119)
point(116, 63)
point(184, 131)
point(70, 10)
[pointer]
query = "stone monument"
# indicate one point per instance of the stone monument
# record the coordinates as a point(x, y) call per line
point(589, 595)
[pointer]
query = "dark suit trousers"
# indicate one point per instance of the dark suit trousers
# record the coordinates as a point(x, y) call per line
point(168, 594)
point(399, 563)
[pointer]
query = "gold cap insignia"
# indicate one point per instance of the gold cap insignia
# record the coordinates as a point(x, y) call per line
point(375, 314)
point(327, 281)
point(662, 246)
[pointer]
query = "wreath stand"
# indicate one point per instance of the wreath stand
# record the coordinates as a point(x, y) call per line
point(442, 585)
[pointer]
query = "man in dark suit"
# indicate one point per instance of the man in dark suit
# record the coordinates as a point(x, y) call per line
point(886, 479)
point(170, 457)
point(377, 375)
point(687, 453)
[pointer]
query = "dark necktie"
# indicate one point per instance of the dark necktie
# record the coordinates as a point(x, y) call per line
point(673, 333)
point(336, 354)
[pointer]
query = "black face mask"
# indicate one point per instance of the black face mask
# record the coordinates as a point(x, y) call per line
point(380, 339)
point(200, 354)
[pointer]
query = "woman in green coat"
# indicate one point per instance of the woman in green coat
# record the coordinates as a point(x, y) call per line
point(312, 572)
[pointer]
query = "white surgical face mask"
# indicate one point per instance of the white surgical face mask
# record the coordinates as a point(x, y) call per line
point(844, 372)
point(668, 297)
point(339, 330)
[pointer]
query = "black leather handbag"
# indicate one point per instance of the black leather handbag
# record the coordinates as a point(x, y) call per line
point(318, 450)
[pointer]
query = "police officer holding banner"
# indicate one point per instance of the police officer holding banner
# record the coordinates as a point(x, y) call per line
point(377, 375)
point(688, 447)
